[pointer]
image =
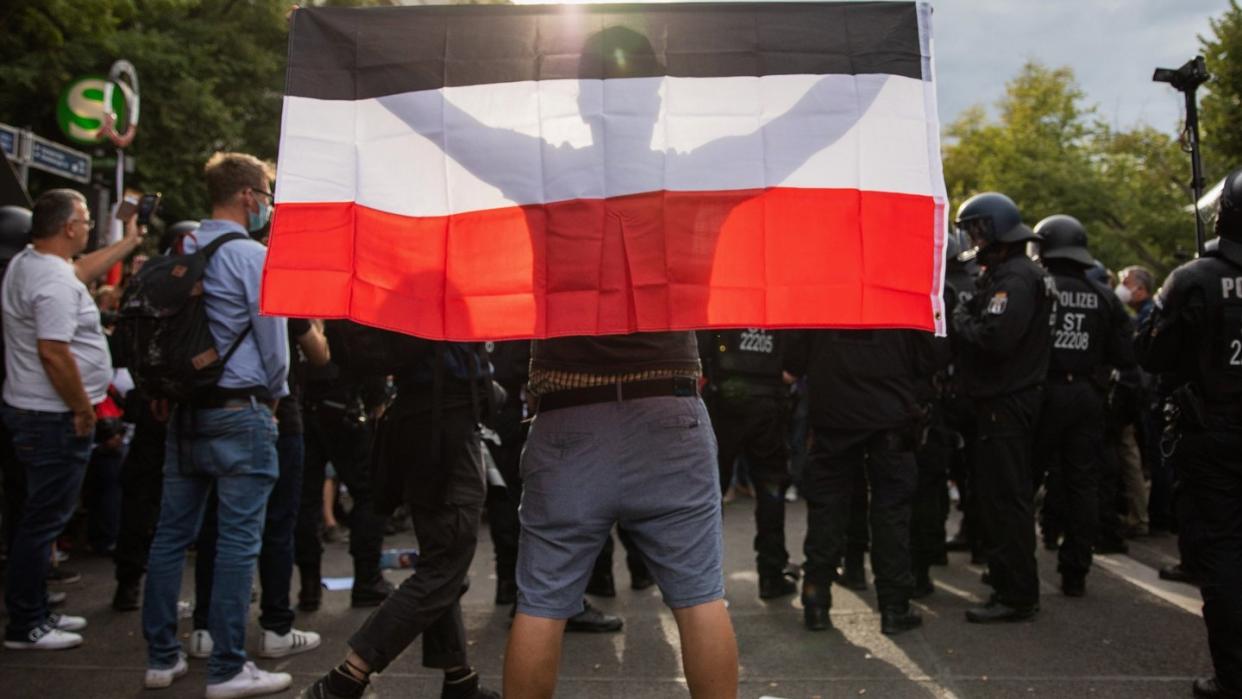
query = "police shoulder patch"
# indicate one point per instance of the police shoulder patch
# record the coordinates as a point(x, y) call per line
point(999, 302)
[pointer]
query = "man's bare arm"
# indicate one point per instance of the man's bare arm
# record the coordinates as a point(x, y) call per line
point(314, 344)
point(90, 267)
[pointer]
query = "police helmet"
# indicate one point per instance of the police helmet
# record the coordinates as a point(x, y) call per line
point(174, 234)
point(1062, 237)
point(14, 230)
point(990, 218)
point(1098, 273)
point(1229, 215)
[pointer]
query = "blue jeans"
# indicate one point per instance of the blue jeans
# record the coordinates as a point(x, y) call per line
point(235, 450)
point(276, 554)
point(54, 460)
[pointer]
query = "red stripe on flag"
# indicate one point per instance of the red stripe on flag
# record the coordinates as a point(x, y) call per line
point(777, 258)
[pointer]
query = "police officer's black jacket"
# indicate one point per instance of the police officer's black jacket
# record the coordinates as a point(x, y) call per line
point(1003, 335)
point(744, 362)
point(1196, 330)
point(1091, 328)
point(866, 379)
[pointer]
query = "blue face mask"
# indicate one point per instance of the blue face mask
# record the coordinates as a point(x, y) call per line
point(260, 218)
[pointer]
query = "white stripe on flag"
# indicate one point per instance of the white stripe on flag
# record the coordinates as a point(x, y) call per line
point(533, 142)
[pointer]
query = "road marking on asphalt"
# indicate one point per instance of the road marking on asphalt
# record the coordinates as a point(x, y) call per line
point(1147, 578)
point(885, 650)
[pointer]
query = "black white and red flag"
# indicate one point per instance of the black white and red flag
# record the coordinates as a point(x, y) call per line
point(491, 172)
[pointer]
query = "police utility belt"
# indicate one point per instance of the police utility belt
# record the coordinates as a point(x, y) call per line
point(618, 392)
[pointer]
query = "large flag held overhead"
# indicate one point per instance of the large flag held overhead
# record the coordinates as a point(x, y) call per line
point(493, 172)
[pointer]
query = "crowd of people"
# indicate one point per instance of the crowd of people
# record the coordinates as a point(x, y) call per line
point(1065, 403)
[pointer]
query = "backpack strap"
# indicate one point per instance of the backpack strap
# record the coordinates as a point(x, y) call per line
point(210, 249)
point(207, 251)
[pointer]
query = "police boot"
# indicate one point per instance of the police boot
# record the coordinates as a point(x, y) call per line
point(853, 576)
point(896, 620)
point(997, 611)
point(592, 620)
point(816, 601)
point(774, 586)
point(1073, 585)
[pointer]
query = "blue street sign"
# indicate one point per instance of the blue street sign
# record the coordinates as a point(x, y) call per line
point(8, 141)
point(60, 160)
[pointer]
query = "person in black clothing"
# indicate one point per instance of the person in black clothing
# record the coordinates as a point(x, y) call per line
point(339, 407)
point(428, 456)
point(961, 274)
point(747, 397)
point(869, 390)
point(1091, 337)
point(1003, 335)
point(1195, 334)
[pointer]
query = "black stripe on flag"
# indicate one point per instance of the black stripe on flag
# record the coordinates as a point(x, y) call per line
point(348, 54)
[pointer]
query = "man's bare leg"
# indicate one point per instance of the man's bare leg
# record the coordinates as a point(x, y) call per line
point(533, 657)
point(708, 650)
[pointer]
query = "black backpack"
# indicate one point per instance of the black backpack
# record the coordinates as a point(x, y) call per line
point(162, 335)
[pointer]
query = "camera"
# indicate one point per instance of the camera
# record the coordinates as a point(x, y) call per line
point(1188, 78)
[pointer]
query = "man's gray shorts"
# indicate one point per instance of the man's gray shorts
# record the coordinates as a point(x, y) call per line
point(648, 465)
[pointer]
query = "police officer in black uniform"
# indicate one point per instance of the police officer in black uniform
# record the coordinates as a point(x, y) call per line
point(1004, 338)
point(1195, 333)
point(1091, 336)
point(747, 398)
point(942, 448)
point(961, 274)
point(868, 402)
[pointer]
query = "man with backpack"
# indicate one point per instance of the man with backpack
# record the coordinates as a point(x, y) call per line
point(222, 434)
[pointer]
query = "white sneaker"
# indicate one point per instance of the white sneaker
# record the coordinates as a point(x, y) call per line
point(46, 637)
point(159, 679)
point(250, 682)
point(200, 643)
point(273, 645)
point(64, 622)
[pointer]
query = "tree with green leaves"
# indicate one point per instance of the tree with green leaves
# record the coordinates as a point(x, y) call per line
point(1222, 105)
point(1049, 152)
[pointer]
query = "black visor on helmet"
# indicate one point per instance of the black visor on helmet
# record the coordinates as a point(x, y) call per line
point(978, 229)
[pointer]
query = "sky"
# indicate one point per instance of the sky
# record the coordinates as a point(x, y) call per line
point(1112, 45)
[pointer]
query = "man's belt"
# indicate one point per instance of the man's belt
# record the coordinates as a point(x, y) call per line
point(616, 392)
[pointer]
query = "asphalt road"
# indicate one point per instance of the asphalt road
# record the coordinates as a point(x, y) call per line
point(1132, 636)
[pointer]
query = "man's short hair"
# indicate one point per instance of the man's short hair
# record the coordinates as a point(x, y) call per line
point(230, 173)
point(1142, 275)
point(52, 210)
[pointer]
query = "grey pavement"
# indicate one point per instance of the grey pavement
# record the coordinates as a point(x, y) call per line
point(1132, 636)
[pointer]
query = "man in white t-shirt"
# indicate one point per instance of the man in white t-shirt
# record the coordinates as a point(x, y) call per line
point(57, 368)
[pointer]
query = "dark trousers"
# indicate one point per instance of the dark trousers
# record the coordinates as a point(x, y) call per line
point(1070, 445)
point(1209, 466)
point(142, 486)
point(427, 602)
point(755, 428)
point(332, 436)
point(276, 553)
point(1005, 492)
point(931, 498)
point(13, 478)
point(102, 496)
point(828, 484)
point(54, 460)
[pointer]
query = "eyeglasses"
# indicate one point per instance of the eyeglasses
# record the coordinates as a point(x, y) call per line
point(90, 223)
point(267, 194)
